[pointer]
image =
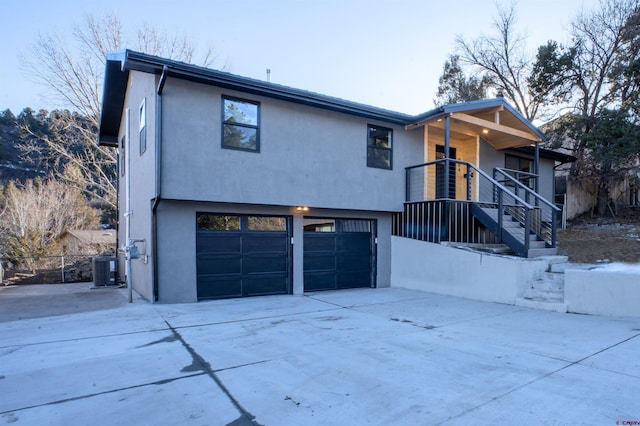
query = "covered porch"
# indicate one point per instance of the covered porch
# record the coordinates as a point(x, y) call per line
point(467, 190)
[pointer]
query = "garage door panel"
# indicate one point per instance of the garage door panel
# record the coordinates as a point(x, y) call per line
point(265, 284)
point(321, 261)
point(354, 279)
point(319, 242)
point(264, 264)
point(212, 264)
point(354, 242)
point(216, 287)
point(263, 244)
point(316, 281)
point(354, 262)
point(218, 243)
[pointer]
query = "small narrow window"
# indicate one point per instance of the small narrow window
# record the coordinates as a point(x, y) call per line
point(218, 222)
point(241, 121)
point(143, 127)
point(379, 147)
point(123, 158)
point(319, 225)
point(267, 223)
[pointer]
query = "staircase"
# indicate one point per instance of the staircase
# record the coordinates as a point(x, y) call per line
point(512, 232)
point(547, 292)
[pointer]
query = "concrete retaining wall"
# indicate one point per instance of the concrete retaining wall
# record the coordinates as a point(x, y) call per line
point(445, 270)
point(603, 292)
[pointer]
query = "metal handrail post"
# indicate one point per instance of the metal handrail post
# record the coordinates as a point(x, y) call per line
point(527, 230)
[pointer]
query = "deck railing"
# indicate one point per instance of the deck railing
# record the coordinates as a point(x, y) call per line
point(426, 188)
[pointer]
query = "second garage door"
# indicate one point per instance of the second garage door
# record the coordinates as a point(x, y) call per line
point(338, 253)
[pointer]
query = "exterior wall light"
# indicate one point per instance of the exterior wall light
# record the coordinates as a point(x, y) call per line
point(485, 131)
point(302, 209)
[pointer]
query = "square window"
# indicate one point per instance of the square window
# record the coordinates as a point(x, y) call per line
point(241, 121)
point(379, 147)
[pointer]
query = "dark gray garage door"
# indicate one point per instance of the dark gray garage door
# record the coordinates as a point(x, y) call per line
point(338, 253)
point(242, 255)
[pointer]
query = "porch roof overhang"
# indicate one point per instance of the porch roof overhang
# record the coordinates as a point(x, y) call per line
point(494, 120)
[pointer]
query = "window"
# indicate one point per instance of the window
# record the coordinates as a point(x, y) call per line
point(241, 120)
point(521, 164)
point(218, 222)
point(267, 223)
point(319, 225)
point(379, 147)
point(143, 127)
point(123, 158)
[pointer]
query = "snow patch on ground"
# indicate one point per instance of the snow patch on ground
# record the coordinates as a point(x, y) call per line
point(631, 268)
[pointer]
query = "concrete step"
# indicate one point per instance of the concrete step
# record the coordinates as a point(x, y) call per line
point(547, 306)
point(543, 295)
point(542, 252)
point(535, 244)
point(549, 281)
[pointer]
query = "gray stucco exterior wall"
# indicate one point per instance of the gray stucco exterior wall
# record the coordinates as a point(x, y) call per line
point(307, 156)
point(141, 167)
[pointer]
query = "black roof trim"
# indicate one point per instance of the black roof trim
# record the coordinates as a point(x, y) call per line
point(121, 62)
point(545, 153)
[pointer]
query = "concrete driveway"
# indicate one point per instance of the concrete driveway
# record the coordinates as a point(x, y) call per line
point(375, 357)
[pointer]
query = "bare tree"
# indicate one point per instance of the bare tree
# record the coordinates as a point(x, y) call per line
point(503, 59)
point(36, 214)
point(599, 36)
point(73, 75)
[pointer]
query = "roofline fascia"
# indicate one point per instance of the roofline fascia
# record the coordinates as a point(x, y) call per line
point(141, 62)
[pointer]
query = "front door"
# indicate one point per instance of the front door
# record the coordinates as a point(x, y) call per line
point(440, 174)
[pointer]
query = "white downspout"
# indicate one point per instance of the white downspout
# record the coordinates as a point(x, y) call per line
point(127, 213)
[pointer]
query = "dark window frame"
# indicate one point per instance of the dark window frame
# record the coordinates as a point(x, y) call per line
point(530, 182)
point(244, 225)
point(123, 156)
point(142, 125)
point(242, 125)
point(373, 148)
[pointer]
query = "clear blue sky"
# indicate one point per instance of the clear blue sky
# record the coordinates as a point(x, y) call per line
point(386, 53)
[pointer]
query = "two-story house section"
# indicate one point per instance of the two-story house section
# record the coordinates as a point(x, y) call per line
point(236, 187)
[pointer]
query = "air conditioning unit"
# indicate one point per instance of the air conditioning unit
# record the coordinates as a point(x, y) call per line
point(104, 271)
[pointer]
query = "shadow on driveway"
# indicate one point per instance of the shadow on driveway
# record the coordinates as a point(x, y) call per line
point(18, 302)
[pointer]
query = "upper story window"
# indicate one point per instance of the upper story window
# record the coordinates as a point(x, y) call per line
point(123, 158)
point(143, 127)
point(241, 121)
point(379, 147)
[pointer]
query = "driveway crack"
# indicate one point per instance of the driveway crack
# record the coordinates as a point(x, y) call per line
point(200, 363)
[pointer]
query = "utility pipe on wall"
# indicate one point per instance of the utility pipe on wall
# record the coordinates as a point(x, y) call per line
point(127, 214)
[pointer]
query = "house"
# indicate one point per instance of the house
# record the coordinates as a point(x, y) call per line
point(234, 187)
point(81, 241)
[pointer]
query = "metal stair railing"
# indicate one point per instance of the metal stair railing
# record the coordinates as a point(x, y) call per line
point(546, 226)
point(485, 191)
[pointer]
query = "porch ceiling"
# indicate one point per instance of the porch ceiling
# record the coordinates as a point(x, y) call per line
point(497, 126)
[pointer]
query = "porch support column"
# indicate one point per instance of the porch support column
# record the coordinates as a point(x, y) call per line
point(447, 157)
point(536, 168)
